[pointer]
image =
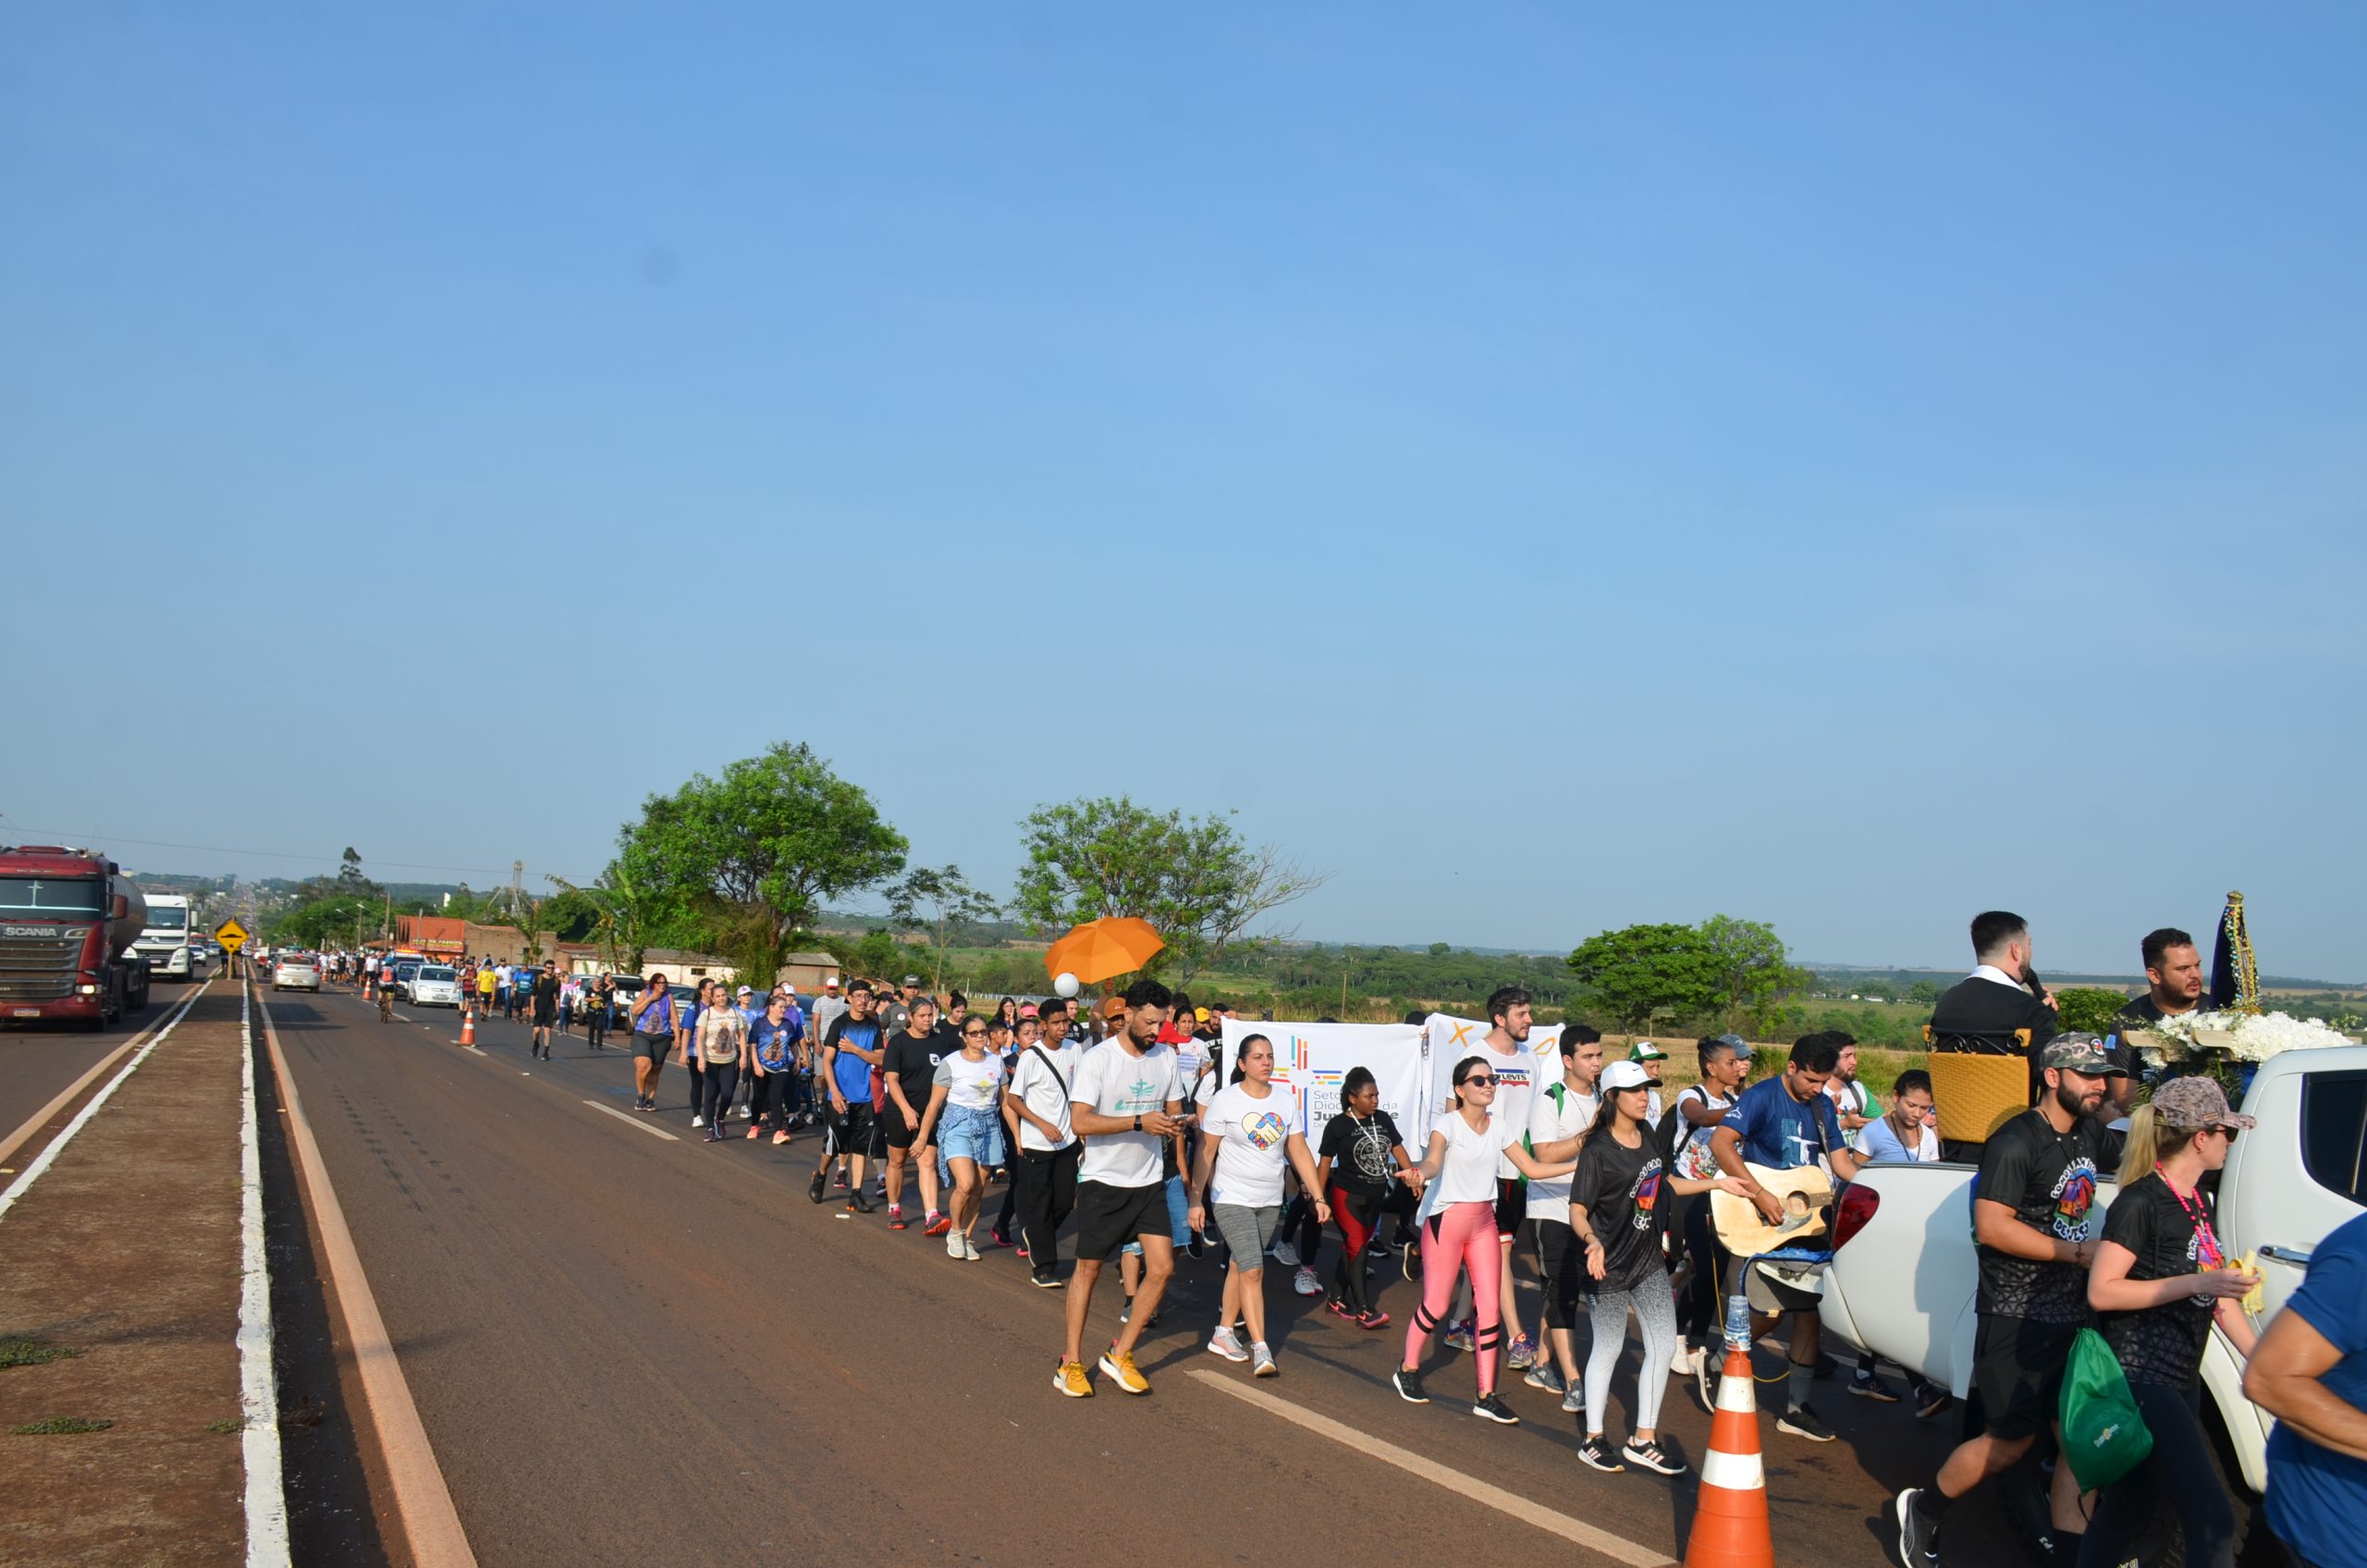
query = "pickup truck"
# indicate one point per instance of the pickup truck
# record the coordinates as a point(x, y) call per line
point(1902, 1278)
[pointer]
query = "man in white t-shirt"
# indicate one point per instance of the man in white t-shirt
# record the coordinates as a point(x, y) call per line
point(1036, 1106)
point(1505, 1049)
point(1123, 1103)
point(1558, 1115)
point(1648, 1056)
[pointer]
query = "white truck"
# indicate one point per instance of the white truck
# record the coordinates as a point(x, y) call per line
point(1903, 1274)
point(166, 942)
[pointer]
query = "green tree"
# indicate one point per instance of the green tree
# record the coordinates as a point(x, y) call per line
point(1755, 973)
point(2088, 1007)
point(1639, 970)
point(1923, 993)
point(748, 858)
point(940, 901)
point(1196, 879)
point(879, 956)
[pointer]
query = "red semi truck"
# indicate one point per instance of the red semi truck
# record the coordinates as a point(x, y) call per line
point(68, 922)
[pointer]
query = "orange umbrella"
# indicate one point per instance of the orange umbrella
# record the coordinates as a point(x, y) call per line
point(1100, 948)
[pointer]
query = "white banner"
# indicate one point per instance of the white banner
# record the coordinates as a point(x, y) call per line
point(1447, 1040)
point(1314, 1057)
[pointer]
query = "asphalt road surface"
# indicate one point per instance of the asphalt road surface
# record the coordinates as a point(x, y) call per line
point(37, 1062)
point(627, 1347)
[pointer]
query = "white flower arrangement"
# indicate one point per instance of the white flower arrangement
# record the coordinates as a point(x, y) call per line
point(2245, 1036)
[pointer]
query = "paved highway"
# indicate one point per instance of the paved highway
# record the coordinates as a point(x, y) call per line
point(632, 1347)
point(37, 1064)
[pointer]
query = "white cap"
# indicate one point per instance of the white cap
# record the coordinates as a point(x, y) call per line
point(1624, 1075)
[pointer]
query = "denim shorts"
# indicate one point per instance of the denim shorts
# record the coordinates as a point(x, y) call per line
point(969, 1133)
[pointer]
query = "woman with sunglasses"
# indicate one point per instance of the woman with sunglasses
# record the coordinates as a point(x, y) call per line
point(2159, 1282)
point(1459, 1229)
point(964, 1122)
point(1620, 1205)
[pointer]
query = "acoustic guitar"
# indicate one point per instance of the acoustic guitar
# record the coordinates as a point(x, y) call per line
point(1806, 1192)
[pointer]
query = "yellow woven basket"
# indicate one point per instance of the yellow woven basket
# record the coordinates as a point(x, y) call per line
point(1976, 1094)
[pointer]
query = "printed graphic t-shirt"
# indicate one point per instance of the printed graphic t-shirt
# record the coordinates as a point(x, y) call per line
point(1517, 1076)
point(1113, 1081)
point(1359, 1153)
point(1620, 1188)
point(1250, 1156)
point(2048, 1179)
point(969, 1085)
point(1781, 1133)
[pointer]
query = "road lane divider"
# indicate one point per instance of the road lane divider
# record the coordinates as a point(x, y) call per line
point(1473, 1488)
point(268, 1544)
point(48, 1156)
point(634, 1122)
point(431, 1525)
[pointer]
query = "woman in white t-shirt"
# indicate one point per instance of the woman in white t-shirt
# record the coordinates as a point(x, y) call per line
point(1248, 1133)
point(1459, 1229)
point(964, 1117)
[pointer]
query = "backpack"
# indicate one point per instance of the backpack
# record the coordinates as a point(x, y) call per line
point(2105, 1436)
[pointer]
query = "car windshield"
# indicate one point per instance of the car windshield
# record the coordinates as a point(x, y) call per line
point(49, 898)
point(167, 918)
point(436, 971)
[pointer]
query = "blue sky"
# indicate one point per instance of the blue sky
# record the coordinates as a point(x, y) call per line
point(1554, 465)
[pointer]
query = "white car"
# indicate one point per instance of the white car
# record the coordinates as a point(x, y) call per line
point(435, 985)
point(295, 971)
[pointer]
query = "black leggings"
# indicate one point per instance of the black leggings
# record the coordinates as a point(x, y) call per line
point(716, 1094)
point(1302, 1231)
point(1700, 1314)
point(2177, 1476)
point(1355, 1213)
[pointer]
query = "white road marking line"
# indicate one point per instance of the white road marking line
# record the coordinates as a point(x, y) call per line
point(258, 1390)
point(629, 1121)
point(81, 1118)
point(1486, 1493)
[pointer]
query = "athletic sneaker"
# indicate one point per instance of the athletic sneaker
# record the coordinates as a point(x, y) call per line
point(1870, 1385)
point(1918, 1537)
point(841, 1183)
point(1544, 1375)
point(1574, 1398)
point(1070, 1379)
point(953, 1247)
point(1458, 1336)
point(814, 1190)
point(1804, 1422)
point(1595, 1453)
point(1119, 1366)
point(1930, 1399)
point(1197, 1246)
point(938, 1224)
point(862, 1205)
point(1373, 1319)
point(1126, 1313)
point(781, 1136)
point(1412, 1266)
point(896, 1216)
point(1282, 1252)
point(1376, 1247)
point(968, 1249)
point(1705, 1383)
point(1408, 1383)
point(1487, 1407)
point(1002, 1239)
point(1338, 1308)
point(1653, 1457)
point(1261, 1362)
point(1227, 1343)
point(751, 1134)
point(697, 1122)
point(1306, 1283)
point(1045, 1279)
point(1523, 1353)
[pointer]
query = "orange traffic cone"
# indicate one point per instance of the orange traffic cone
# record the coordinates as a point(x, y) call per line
point(1730, 1523)
point(469, 1028)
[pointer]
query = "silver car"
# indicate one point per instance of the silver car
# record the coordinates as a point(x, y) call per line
point(296, 971)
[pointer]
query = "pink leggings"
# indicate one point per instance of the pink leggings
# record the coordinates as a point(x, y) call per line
point(1460, 1235)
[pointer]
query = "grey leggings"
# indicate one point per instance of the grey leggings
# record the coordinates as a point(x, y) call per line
point(1656, 1315)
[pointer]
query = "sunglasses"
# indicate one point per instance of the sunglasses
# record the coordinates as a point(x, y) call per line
point(2226, 1133)
point(974, 1034)
point(1480, 1080)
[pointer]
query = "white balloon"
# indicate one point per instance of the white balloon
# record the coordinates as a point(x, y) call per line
point(1065, 984)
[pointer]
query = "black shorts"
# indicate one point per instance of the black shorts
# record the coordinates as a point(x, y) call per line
point(544, 1017)
point(897, 1132)
point(852, 1130)
point(1107, 1218)
point(1511, 1206)
point(2017, 1371)
point(656, 1047)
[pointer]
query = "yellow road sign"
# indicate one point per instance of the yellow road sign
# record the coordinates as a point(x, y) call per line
point(231, 934)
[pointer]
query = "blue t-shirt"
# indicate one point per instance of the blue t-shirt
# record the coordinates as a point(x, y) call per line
point(774, 1043)
point(1779, 1132)
point(1881, 1143)
point(853, 1073)
point(2317, 1499)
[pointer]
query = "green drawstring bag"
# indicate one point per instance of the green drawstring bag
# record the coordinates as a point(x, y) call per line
point(2103, 1435)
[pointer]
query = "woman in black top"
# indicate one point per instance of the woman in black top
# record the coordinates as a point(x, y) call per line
point(1360, 1157)
point(2159, 1281)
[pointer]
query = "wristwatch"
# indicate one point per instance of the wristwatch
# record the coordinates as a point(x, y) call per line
point(1138, 1121)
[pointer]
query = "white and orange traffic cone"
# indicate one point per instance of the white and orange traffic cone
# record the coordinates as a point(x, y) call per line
point(1731, 1528)
point(469, 1028)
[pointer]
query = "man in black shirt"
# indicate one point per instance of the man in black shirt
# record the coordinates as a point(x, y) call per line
point(546, 1010)
point(2029, 1216)
point(2172, 988)
point(1979, 1014)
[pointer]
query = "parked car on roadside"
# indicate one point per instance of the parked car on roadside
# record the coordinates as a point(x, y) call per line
point(295, 971)
point(432, 985)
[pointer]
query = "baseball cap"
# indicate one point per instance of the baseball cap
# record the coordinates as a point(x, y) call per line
point(1624, 1075)
point(831, 984)
point(1735, 1043)
point(1643, 1050)
point(2196, 1103)
point(745, 991)
point(2080, 1051)
point(1114, 1007)
point(1028, 1009)
point(911, 979)
point(1200, 1015)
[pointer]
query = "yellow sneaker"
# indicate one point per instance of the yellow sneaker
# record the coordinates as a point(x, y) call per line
point(1119, 1365)
point(1070, 1380)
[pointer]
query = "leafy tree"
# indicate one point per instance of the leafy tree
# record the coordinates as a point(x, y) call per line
point(322, 922)
point(1440, 950)
point(749, 858)
point(1923, 993)
point(1198, 882)
point(1639, 970)
point(879, 956)
point(572, 914)
point(939, 900)
point(1755, 973)
point(349, 873)
point(2088, 1007)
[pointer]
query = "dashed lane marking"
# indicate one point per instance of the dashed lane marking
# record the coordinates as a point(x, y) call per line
point(1617, 1548)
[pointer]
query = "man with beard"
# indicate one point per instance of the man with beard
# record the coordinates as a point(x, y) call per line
point(2029, 1216)
point(2172, 988)
point(1979, 1014)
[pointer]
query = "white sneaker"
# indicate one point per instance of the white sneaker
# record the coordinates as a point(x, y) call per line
point(1262, 1362)
point(1286, 1255)
point(1226, 1343)
point(953, 1245)
point(968, 1249)
point(698, 1121)
point(1306, 1283)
